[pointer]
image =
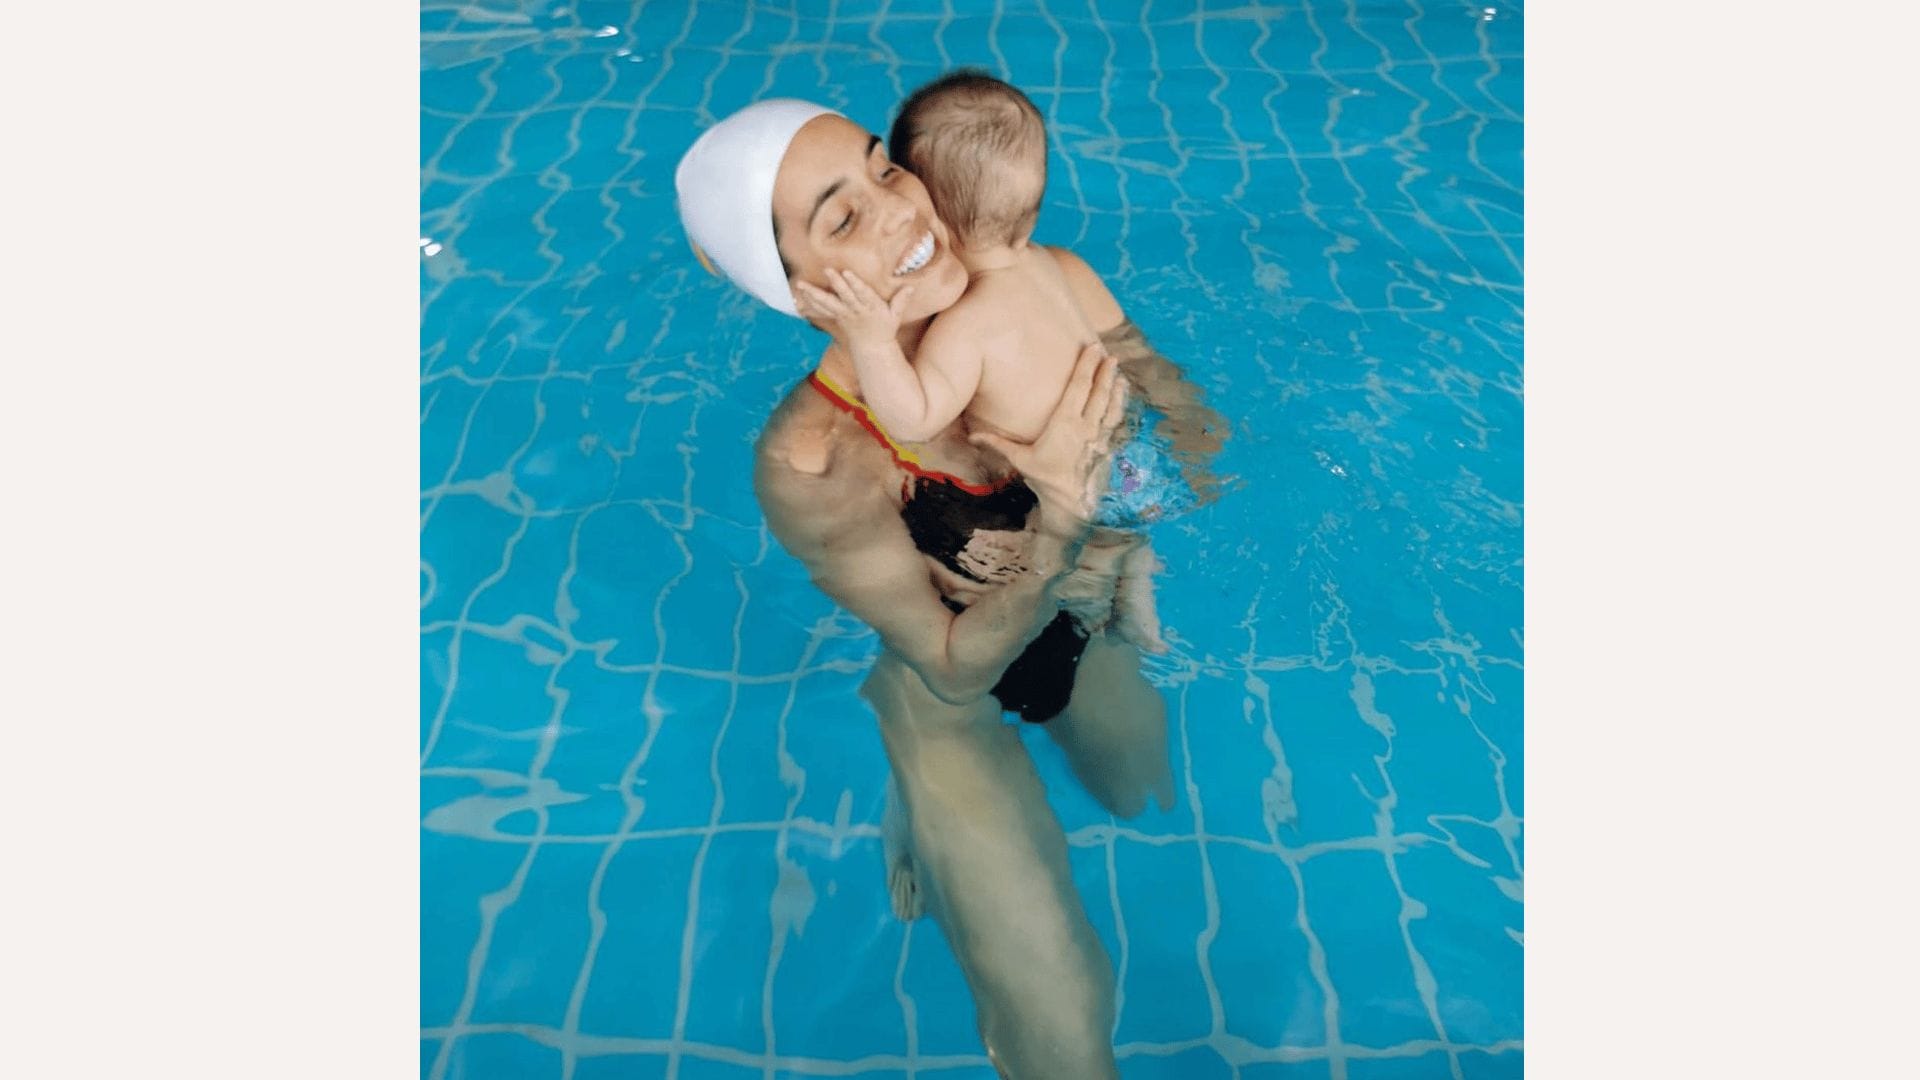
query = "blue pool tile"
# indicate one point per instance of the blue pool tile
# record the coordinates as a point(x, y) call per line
point(496, 708)
point(586, 75)
point(1465, 941)
point(436, 674)
point(486, 1057)
point(675, 777)
point(1499, 714)
point(540, 137)
point(657, 467)
point(499, 430)
point(942, 1009)
point(1474, 843)
point(757, 788)
point(1428, 730)
point(539, 941)
point(732, 940)
point(450, 920)
point(1328, 749)
point(833, 736)
point(599, 128)
point(594, 815)
point(1286, 1070)
point(529, 585)
point(1226, 727)
point(700, 1068)
point(603, 717)
point(474, 151)
point(834, 985)
point(1162, 900)
point(1433, 1066)
point(1354, 910)
point(1199, 1063)
point(625, 552)
point(621, 1067)
point(636, 974)
point(504, 234)
point(456, 85)
point(703, 609)
point(1088, 864)
point(1508, 1065)
point(444, 408)
point(781, 621)
point(569, 468)
point(458, 315)
point(464, 543)
point(1259, 957)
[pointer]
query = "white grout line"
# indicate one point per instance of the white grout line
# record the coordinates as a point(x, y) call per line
point(1240, 1051)
point(689, 932)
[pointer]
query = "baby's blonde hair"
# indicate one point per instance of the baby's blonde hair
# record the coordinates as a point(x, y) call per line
point(980, 147)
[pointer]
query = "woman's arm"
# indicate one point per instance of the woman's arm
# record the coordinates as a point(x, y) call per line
point(1096, 301)
point(913, 401)
point(860, 554)
point(849, 535)
point(1195, 429)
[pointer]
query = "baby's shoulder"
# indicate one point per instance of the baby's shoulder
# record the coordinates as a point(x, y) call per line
point(975, 320)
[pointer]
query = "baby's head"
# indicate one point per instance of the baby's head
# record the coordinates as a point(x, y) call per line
point(980, 148)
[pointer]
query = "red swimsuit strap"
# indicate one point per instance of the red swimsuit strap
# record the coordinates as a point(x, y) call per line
point(902, 456)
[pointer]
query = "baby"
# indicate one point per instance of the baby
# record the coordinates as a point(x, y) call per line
point(1002, 354)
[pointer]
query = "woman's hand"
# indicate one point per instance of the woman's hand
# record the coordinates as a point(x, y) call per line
point(853, 313)
point(1067, 466)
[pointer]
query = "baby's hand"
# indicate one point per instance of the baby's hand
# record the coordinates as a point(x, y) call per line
point(852, 312)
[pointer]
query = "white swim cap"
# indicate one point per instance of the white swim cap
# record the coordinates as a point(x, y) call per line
point(725, 184)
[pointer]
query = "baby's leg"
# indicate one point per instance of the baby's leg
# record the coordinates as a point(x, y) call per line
point(1087, 594)
point(1136, 614)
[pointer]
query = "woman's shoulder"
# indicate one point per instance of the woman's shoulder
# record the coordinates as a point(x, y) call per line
point(806, 467)
point(801, 435)
point(1096, 301)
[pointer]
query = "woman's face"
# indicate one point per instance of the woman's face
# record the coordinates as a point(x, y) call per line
point(838, 203)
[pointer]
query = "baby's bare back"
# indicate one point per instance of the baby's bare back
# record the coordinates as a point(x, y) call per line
point(1039, 332)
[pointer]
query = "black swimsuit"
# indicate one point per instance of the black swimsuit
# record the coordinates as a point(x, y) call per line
point(941, 519)
point(942, 512)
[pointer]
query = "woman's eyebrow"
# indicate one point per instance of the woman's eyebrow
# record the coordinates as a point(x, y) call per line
point(821, 200)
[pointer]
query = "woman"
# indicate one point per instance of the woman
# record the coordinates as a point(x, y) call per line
point(958, 552)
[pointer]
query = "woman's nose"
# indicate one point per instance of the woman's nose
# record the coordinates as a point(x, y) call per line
point(899, 212)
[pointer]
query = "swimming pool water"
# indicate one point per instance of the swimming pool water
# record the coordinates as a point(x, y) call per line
point(650, 796)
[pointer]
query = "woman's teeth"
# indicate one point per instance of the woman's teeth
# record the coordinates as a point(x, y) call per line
point(916, 258)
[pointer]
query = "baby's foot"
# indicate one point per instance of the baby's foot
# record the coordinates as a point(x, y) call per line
point(1136, 616)
point(903, 888)
point(903, 881)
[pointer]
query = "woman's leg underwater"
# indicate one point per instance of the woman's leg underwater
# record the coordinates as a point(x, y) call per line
point(989, 860)
point(1114, 730)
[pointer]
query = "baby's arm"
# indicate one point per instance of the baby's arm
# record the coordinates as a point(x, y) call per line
point(912, 401)
point(949, 362)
